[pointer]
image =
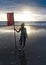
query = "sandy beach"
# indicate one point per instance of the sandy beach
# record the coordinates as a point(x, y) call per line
point(35, 48)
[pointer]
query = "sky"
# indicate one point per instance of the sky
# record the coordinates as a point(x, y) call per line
point(24, 10)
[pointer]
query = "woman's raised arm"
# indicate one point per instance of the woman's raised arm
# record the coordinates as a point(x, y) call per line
point(16, 30)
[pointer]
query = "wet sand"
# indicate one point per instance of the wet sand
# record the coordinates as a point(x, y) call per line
point(35, 48)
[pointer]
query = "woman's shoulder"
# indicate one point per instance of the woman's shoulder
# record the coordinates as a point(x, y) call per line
point(24, 28)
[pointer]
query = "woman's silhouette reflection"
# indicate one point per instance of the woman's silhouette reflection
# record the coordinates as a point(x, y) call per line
point(22, 57)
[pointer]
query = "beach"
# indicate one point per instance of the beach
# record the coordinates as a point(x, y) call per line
point(35, 48)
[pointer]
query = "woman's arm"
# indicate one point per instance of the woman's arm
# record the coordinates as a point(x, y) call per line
point(16, 30)
point(19, 30)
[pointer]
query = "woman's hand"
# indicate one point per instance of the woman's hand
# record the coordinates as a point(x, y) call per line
point(16, 30)
point(14, 27)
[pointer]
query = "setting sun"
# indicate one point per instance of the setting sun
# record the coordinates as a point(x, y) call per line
point(24, 16)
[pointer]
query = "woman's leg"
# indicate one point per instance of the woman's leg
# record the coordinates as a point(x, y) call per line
point(20, 43)
point(24, 43)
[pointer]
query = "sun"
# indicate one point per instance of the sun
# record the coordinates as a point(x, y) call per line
point(24, 16)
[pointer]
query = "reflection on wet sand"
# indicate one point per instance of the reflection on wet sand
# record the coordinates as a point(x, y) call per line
point(22, 57)
point(35, 48)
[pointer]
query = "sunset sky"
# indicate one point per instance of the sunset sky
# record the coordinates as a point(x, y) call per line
point(24, 10)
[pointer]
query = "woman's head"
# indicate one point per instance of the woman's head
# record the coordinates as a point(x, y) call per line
point(22, 25)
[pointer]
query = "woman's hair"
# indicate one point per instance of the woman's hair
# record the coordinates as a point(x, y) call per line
point(22, 25)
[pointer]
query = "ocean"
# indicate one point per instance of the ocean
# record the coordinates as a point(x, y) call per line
point(36, 23)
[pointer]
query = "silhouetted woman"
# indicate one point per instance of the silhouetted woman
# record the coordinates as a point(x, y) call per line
point(23, 35)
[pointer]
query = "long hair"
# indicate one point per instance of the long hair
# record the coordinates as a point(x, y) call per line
point(22, 25)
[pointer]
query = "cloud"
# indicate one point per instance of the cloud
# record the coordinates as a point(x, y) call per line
point(7, 4)
point(37, 7)
point(41, 3)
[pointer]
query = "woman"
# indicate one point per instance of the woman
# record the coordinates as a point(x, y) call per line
point(23, 35)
